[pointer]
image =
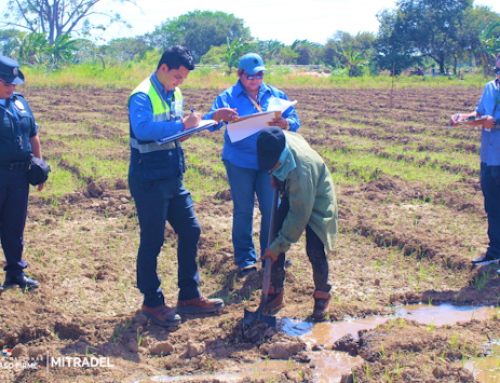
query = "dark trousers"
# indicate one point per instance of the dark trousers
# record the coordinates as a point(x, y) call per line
point(315, 251)
point(14, 190)
point(157, 202)
point(490, 183)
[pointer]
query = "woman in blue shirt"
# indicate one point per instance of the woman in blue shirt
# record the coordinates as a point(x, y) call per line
point(250, 95)
point(489, 108)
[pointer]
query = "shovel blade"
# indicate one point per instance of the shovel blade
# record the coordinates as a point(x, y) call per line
point(269, 320)
point(252, 317)
point(249, 318)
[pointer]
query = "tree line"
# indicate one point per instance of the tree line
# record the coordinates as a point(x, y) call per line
point(443, 34)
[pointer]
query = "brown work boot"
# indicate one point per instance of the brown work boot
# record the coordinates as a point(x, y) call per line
point(321, 304)
point(161, 315)
point(199, 305)
point(275, 300)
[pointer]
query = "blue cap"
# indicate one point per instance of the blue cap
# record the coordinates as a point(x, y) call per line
point(9, 70)
point(252, 63)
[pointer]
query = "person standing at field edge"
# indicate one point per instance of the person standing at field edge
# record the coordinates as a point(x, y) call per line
point(155, 180)
point(489, 107)
point(18, 140)
point(307, 203)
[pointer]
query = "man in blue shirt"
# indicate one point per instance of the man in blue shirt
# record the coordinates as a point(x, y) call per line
point(155, 180)
point(250, 95)
point(489, 108)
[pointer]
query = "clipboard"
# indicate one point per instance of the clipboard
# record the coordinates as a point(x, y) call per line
point(249, 116)
point(478, 122)
point(204, 124)
point(249, 125)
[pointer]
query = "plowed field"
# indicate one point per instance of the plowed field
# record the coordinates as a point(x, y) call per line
point(411, 219)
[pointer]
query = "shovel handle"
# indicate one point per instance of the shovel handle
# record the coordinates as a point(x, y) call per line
point(267, 263)
point(273, 216)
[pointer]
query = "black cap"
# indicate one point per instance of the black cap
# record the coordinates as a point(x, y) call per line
point(9, 71)
point(270, 145)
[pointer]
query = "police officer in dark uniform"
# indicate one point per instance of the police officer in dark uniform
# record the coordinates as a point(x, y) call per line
point(18, 140)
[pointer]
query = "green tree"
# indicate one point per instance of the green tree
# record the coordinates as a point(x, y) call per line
point(489, 46)
point(269, 49)
point(30, 48)
point(478, 25)
point(126, 48)
point(34, 49)
point(355, 61)
point(287, 55)
point(236, 49)
point(199, 31)
point(394, 50)
point(56, 17)
point(8, 40)
point(333, 51)
point(215, 56)
point(429, 27)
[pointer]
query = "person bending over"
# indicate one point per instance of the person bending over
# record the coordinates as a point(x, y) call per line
point(308, 203)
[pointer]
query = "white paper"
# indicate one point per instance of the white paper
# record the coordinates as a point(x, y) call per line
point(279, 105)
point(237, 131)
point(240, 130)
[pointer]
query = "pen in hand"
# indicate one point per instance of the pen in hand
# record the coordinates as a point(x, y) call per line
point(452, 122)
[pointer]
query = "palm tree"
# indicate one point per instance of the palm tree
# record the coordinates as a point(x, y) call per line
point(354, 60)
point(489, 45)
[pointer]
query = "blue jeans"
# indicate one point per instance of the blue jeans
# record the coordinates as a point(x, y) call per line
point(244, 184)
point(14, 190)
point(156, 202)
point(490, 183)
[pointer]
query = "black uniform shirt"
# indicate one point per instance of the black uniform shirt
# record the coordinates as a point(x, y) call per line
point(17, 126)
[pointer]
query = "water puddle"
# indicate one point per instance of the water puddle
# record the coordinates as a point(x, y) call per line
point(485, 370)
point(263, 369)
point(330, 365)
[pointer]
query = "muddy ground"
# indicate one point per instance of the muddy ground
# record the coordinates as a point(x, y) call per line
point(411, 219)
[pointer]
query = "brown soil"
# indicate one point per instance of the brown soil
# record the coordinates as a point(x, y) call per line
point(400, 242)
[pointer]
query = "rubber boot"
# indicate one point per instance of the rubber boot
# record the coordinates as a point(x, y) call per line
point(321, 304)
point(275, 300)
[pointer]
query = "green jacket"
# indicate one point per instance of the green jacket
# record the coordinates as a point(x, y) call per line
point(309, 188)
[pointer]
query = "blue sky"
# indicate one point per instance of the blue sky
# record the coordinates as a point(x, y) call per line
point(283, 20)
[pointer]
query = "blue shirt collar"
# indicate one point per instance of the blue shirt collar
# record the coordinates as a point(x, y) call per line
point(167, 96)
point(238, 88)
point(287, 164)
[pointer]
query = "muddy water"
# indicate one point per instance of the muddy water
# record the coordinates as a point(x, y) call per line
point(485, 370)
point(330, 365)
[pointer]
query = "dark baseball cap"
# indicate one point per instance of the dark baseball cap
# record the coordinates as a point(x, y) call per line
point(270, 145)
point(9, 71)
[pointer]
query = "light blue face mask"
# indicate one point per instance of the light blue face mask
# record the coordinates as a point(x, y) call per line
point(287, 164)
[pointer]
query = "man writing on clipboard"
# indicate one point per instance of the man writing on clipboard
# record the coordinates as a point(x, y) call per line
point(155, 180)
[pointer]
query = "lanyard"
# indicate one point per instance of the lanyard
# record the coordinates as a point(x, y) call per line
point(259, 108)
